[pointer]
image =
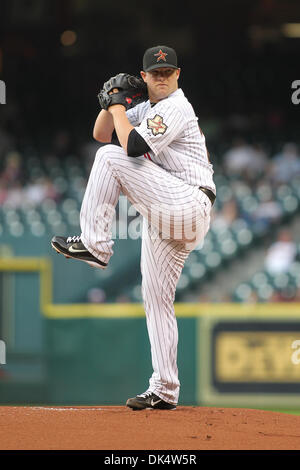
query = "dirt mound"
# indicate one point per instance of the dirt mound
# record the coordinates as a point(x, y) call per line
point(119, 428)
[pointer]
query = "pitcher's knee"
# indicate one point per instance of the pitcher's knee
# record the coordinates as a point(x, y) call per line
point(110, 152)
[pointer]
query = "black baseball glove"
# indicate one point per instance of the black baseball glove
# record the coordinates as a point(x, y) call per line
point(131, 91)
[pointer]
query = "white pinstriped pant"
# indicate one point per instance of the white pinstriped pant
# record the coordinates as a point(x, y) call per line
point(176, 218)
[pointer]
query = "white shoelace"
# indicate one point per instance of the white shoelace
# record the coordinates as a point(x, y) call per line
point(75, 239)
point(145, 394)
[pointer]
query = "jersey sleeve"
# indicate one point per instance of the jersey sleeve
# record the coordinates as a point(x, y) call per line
point(136, 114)
point(133, 116)
point(161, 126)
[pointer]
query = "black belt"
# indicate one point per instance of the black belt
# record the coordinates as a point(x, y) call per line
point(209, 194)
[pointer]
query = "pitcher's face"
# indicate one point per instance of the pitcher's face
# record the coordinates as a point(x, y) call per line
point(161, 82)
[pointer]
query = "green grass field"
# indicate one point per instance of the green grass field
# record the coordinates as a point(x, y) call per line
point(290, 412)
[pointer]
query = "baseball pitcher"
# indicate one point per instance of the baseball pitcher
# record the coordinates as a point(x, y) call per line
point(162, 166)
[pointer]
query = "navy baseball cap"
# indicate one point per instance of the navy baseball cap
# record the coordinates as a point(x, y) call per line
point(158, 57)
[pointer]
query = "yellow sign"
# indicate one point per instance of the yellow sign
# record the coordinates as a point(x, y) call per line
point(256, 357)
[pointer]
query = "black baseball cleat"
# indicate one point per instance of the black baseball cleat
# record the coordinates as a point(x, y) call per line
point(72, 247)
point(149, 400)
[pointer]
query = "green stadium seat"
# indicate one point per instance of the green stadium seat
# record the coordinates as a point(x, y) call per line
point(281, 281)
point(243, 292)
point(56, 172)
point(283, 191)
point(229, 248)
point(225, 193)
point(183, 282)
point(53, 217)
point(294, 271)
point(295, 185)
point(59, 228)
point(290, 204)
point(38, 229)
point(196, 271)
point(264, 192)
point(71, 160)
point(61, 184)
point(192, 258)
point(136, 293)
point(31, 216)
point(208, 245)
point(220, 236)
point(47, 205)
point(259, 279)
point(241, 191)
point(249, 204)
point(244, 237)
point(264, 292)
point(16, 229)
point(69, 204)
point(75, 171)
point(36, 172)
point(213, 260)
point(11, 216)
point(78, 184)
point(73, 218)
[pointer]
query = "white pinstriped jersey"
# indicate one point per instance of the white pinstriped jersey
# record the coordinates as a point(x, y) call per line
point(176, 216)
point(171, 130)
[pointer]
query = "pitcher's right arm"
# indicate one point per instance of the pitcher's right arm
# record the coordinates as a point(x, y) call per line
point(104, 127)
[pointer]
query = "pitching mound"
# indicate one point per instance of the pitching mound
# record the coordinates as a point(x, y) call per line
point(119, 428)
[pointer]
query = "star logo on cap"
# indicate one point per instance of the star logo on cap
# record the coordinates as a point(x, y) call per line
point(161, 55)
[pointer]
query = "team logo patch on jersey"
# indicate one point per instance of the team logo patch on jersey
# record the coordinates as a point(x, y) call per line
point(160, 56)
point(157, 125)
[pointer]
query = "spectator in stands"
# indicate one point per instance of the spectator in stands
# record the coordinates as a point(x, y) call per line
point(225, 217)
point(258, 164)
point(123, 299)
point(12, 172)
point(267, 213)
point(14, 196)
point(96, 295)
point(62, 143)
point(281, 253)
point(285, 165)
point(287, 294)
point(3, 191)
point(297, 295)
point(253, 298)
point(245, 160)
point(37, 191)
point(6, 141)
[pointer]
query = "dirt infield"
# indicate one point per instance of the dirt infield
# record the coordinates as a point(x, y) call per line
point(119, 428)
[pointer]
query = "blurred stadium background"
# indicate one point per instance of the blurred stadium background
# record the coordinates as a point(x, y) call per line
point(78, 335)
